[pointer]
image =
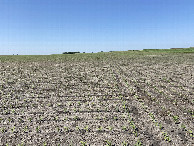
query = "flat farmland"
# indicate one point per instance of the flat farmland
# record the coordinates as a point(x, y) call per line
point(117, 98)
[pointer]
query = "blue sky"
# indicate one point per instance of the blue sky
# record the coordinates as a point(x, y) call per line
point(56, 26)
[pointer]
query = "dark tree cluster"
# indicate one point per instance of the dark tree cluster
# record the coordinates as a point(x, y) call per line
point(70, 52)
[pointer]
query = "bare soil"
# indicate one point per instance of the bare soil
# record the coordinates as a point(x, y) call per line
point(104, 100)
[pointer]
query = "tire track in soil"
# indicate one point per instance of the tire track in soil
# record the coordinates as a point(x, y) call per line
point(174, 110)
point(175, 134)
point(148, 133)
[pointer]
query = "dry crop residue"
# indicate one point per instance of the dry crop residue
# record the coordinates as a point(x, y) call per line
point(111, 99)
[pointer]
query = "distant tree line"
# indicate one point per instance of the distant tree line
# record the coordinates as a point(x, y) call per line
point(70, 52)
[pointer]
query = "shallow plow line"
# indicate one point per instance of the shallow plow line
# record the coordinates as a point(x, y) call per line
point(132, 124)
point(162, 92)
point(190, 132)
point(108, 142)
point(175, 118)
point(166, 137)
point(164, 133)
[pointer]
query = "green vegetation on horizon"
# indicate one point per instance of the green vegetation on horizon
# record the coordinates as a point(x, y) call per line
point(95, 56)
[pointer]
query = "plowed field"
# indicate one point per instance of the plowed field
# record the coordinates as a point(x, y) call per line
point(97, 99)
